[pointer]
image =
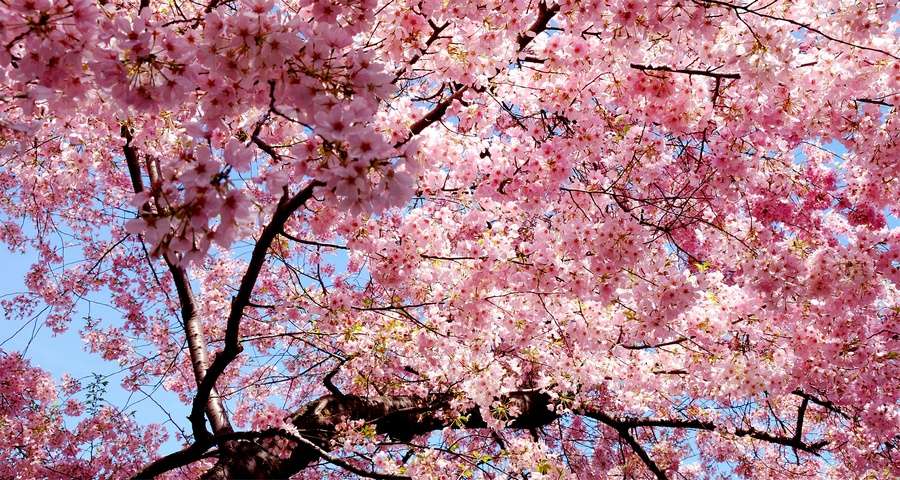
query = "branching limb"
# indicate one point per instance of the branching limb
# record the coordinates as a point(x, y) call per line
point(545, 14)
point(746, 8)
point(435, 34)
point(828, 405)
point(623, 427)
point(196, 339)
point(339, 462)
point(329, 377)
point(286, 207)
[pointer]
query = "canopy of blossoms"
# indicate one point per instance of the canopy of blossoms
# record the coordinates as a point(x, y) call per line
point(443, 239)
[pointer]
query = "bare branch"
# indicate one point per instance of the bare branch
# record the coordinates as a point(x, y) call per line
point(545, 14)
point(874, 102)
point(199, 354)
point(693, 424)
point(688, 71)
point(677, 341)
point(312, 242)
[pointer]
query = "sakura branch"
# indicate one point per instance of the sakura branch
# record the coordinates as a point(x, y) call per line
point(435, 35)
point(286, 207)
point(545, 14)
point(405, 418)
point(806, 26)
point(403, 239)
point(688, 71)
point(191, 321)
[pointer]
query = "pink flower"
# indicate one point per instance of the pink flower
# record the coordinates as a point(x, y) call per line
point(237, 155)
point(333, 124)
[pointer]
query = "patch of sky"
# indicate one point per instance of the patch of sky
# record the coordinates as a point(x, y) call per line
point(66, 353)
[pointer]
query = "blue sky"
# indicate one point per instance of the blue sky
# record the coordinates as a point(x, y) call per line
point(65, 354)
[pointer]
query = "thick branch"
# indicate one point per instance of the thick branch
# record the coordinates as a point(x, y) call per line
point(402, 418)
point(801, 412)
point(196, 339)
point(777, 439)
point(545, 14)
point(131, 160)
point(175, 460)
point(432, 116)
point(198, 450)
point(233, 347)
point(693, 424)
point(198, 351)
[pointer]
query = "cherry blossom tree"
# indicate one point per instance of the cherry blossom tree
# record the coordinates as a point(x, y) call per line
point(458, 239)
